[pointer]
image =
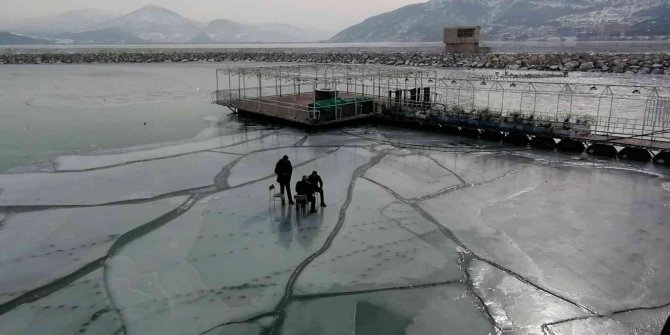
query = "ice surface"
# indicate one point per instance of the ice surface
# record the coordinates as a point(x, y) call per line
point(597, 326)
point(348, 137)
point(238, 329)
point(262, 164)
point(413, 176)
point(596, 235)
point(143, 180)
point(556, 232)
point(81, 307)
point(383, 243)
point(480, 167)
point(437, 310)
point(144, 153)
point(281, 139)
point(37, 248)
point(228, 258)
point(515, 305)
point(649, 320)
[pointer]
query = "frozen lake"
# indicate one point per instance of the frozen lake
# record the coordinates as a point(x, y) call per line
point(130, 205)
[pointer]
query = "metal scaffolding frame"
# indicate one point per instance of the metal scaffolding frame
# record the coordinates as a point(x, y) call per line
point(412, 90)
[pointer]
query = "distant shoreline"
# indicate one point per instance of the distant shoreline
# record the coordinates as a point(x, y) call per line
point(642, 63)
point(526, 46)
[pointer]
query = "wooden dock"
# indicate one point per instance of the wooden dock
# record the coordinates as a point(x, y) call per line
point(293, 109)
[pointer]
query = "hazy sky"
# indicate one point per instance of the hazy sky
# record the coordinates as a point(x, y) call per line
point(324, 14)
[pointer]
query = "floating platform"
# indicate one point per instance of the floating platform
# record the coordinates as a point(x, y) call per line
point(305, 111)
point(537, 114)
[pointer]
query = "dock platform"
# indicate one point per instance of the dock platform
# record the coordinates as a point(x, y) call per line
point(565, 116)
point(299, 110)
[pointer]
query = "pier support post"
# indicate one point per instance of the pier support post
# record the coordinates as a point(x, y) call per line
point(517, 139)
point(663, 158)
point(570, 145)
point(470, 132)
point(543, 142)
point(599, 149)
point(635, 154)
point(492, 135)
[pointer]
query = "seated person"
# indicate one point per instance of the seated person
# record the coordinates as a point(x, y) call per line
point(303, 187)
point(317, 183)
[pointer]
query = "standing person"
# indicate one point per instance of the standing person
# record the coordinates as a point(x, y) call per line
point(284, 170)
point(304, 187)
point(317, 183)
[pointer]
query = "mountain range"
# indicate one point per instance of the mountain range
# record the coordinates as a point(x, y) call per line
point(510, 19)
point(499, 19)
point(149, 24)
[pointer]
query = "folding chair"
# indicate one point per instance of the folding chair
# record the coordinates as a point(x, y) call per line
point(274, 197)
point(300, 202)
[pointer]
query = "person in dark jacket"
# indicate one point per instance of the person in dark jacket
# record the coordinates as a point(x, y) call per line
point(317, 183)
point(303, 187)
point(284, 170)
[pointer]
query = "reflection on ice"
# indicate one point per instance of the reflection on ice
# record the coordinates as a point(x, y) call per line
point(384, 243)
point(422, 311)
point(515, 305)
point(597, 235)
point(226, 259)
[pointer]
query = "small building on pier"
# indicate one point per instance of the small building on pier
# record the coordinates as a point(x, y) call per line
point(463, 40)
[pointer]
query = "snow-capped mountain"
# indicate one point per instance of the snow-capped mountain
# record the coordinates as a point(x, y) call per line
point(222, 31)
point(155, 24)
point(70, 21)
point(514, 19)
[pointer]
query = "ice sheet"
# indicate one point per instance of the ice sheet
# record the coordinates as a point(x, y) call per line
point(649, 320)
point(348, 137)
point(480, 167)
point(228, 258)
point(81, 307)
point(143, 180)
point(37, 248)
point(515, 305)
point(282, 139)
point(595, 326)
point(438, 310)
point(145, 153)
point(262, 164)
point(383, 243)
point(596, 235)
point(413, 176)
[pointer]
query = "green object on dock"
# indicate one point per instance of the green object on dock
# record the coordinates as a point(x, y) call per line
point(345, 107)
